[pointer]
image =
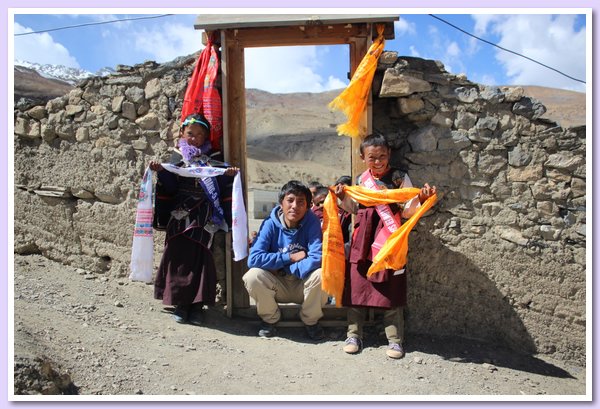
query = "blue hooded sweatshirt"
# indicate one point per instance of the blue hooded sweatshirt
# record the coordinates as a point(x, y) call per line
point(275, 242)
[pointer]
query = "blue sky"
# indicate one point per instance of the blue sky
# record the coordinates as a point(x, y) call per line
point(558, 41)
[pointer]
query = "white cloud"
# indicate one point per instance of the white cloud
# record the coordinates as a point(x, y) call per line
point(335, 83)
point(440, 47)
point(41, 48)
point(287, 69)
point(413, 51)
point(481, 22)
point(168, 41)
point(485, 79)
point(551, 40)
point(453, 50)
point(402, 27)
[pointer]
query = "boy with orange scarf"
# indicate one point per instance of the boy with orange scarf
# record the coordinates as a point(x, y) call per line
point(385, 289)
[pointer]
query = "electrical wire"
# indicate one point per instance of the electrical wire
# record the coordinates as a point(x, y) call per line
point(505, 49)
point(92, 24)
point(432, 15)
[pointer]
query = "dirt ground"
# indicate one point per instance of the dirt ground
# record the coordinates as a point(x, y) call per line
point(112, 338)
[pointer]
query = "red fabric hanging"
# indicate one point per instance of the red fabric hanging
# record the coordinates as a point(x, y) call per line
point(202, 95)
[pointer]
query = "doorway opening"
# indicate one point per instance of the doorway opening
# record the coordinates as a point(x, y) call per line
point(290, 132)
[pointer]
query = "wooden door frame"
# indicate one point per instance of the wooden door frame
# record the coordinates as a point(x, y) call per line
point(233, 42)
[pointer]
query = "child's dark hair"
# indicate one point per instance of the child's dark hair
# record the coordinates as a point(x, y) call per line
point(321, 190)
point(374, 140)
point(345, 180)
point(196, 119)
point(314, 183)
point(297, 188)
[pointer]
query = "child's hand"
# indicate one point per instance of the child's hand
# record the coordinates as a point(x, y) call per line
point(294, 257)
point(426, 192)
point(339, 191)
point(231, 171)
point(252, 237)
point(156, 166)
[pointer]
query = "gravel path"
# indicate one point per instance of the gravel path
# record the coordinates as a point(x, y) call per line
point(108, 336)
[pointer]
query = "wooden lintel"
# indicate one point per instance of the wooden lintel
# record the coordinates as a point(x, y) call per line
point(298, 35)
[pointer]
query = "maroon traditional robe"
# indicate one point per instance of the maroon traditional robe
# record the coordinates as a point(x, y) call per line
point(384, 289)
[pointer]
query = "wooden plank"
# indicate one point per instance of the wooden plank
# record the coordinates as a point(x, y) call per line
point(332, 316)
point(244, 21)
point(358, 49)
point(234, 144)
point(228, 276)
point(299, 35)
point(226, 135)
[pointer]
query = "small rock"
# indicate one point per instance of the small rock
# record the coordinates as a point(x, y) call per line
point(489, 367)
point(418, 360)
point(118, 304)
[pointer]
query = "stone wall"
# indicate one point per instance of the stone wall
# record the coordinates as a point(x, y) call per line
point(79, 159)
point(500, 258)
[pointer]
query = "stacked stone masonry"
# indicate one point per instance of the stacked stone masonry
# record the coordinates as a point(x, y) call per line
point(501, 257)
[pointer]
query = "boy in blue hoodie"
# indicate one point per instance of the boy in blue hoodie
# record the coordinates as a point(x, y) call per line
point(285, 262)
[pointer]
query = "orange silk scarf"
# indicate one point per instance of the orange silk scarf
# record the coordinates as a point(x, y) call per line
point(393, 253)
point(352, 101)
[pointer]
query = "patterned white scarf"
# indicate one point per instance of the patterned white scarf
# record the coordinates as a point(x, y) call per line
point(142, 251)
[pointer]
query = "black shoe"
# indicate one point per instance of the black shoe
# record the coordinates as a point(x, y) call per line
point(315, 332)
point(181, 314)
point(266, 330)
point(196, 317)
point(196, 314)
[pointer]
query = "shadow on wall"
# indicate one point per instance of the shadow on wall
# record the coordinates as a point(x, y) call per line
point(450, 296)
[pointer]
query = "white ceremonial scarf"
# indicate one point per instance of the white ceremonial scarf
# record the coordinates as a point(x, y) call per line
point(142, 250)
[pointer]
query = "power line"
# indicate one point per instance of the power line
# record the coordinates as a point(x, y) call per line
point(93, 24)
point(432, 15)
point(505, 49)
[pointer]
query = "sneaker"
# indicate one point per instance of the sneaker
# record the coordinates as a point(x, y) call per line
point(267, 330)
point(352, 345)
point(394, 350)
point(181, 314)
point(315, 332)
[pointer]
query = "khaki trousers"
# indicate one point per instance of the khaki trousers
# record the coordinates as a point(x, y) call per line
point(268, 289)
point(393, 322)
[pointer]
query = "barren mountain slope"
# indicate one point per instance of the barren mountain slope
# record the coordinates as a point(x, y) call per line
point(30, 84)
point(567, 108)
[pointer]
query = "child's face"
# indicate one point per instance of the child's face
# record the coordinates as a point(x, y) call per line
point(318, 200)
point(195, 134)
point(377, 159)
point(294, 208)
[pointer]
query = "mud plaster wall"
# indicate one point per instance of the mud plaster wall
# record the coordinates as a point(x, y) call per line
point(501, 257)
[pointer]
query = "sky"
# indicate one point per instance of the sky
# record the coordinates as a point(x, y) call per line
point(558, 41)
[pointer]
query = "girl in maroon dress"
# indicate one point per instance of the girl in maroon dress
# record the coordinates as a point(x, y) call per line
point(186, 277)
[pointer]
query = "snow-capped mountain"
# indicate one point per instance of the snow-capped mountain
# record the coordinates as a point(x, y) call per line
point(62, 73)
